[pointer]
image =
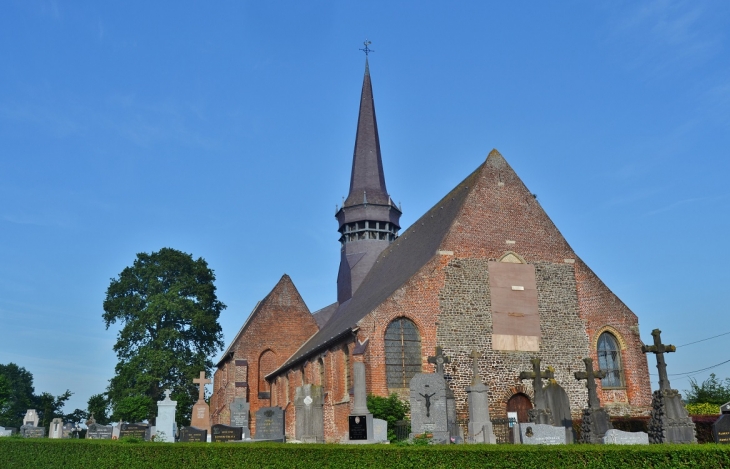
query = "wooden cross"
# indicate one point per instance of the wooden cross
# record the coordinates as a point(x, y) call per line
point(591, 376)
point(536, 376)
point(439, 360)
point(475, 356)
point(659, 349)
point(201, 382)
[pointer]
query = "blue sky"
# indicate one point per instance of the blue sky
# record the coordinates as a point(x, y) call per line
point(226, 130)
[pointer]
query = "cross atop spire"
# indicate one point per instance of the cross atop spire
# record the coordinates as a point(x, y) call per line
point(367, 50)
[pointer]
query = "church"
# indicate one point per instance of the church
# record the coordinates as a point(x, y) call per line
point(484, 269)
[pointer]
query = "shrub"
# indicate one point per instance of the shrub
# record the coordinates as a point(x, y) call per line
point(703, 408)
point(390, 409)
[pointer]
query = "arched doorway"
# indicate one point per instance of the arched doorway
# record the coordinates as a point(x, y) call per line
point(519, 403)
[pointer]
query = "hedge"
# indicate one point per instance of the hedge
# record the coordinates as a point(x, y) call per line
point(96, 454)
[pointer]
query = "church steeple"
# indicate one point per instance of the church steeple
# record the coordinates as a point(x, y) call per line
point(368, 219)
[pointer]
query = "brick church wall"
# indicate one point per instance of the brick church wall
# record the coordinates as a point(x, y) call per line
point(276, 329)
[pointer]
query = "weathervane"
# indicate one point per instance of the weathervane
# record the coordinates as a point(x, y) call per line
point(367, 50)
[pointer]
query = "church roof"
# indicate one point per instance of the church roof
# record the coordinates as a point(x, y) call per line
point(394, 267)
point(367, 181)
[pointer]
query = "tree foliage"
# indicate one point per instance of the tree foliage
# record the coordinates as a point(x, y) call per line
point(390, 409)
point(98, 406)
point(49, 406)
point(168, 311)
point(20, 396)
point(710, 391)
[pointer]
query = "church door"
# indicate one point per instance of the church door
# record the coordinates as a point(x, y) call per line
point(519, 403)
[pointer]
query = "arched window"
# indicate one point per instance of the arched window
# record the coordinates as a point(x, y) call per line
point(402, 352)
point(609, 360)
point(346, 372)
point(322, 375)
point(267, 364)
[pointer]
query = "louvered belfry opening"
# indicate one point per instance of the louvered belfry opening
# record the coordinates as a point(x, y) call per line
point(402, 353)
point(609, 360)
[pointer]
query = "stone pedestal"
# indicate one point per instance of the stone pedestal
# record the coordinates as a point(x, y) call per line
point(480, 426)
point(670, 422)
point(165, 422)
point(360, 421)
point(596, 422)
point(201, 416)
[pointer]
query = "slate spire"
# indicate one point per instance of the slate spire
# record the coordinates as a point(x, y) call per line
point(368, 219)
point(367, 179)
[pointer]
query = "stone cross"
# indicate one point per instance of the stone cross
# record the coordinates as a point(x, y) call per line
point(536, 376)
point(439, 360)
point(591, 376)
point(202, 382)
point(475, 356)
point(659, 349)
point(167, 394)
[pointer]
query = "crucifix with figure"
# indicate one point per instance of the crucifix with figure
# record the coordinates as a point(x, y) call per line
point(439, 360)
point(202, 381)
point(659, 349)
point(537, 376)
point(591, 376)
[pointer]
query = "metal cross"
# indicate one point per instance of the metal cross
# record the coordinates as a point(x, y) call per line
point(475, 356)
point(536, 376)
point(202, 382)
point(591, 376)
point(659, 349)
point(366, 49)
point(439, 360)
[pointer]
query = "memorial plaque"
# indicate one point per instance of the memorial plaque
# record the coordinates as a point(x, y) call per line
point(224, 433)
point(193, 435)
point(541, 434)
point(99, 432)
point(32, 432)
point(358, 427)
point(270, 424)
point(134, 430)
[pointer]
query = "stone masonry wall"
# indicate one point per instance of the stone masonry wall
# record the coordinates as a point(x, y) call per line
point(465, 323)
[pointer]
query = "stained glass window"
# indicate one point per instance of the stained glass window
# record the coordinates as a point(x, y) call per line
point(609, 360)
point(402, 352)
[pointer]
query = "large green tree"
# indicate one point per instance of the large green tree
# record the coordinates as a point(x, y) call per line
point(168, 311)
point(98, 406)
point(20, 395)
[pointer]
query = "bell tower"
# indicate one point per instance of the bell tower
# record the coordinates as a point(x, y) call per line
point(368, 219)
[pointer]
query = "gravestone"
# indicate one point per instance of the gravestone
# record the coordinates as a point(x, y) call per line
point(200, 418)
point(239, 415)
point(133, 430)
point(439, 360)
point(618, 437)
point(222, 433)
point(193, 435)
point(380, 430)
point(360, 421)
point(428, 406)
point(270, 424)
point(309, 413)
point(540, 413)
point(541, 434)
point(165, 422)
point(721, 428)
point(31, 418)
point(558, 403)
point(99, 432)
point(670, 422)
point(55, 430)
point(5, 432)
point(596, 421)
point(151, 433)
point(480, 426)
point(30, 431)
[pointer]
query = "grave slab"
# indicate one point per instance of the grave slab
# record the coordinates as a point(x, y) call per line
point(541, 434)
point(99, 432)
point(270, 424)
point(721, 428)
point(134, 430)
point(618, 437)
point(223, 433)
point(193, 435)
point(239, 415)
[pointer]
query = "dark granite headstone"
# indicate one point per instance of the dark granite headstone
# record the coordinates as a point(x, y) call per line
point(558, 404)
point(134, 430)
point(222, 432)
point(270, 423)
point(358, 427)
point(28, 431)
point(239, 415)
point(99, 432)
point(721, 428)
point(193, 435)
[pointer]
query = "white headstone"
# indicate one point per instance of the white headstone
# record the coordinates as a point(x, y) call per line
point(4, 432)
point(380, 430)
point(541, 434)
point(31, 418)
point(165, 422)
point(618, 437)
point(56, 428)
